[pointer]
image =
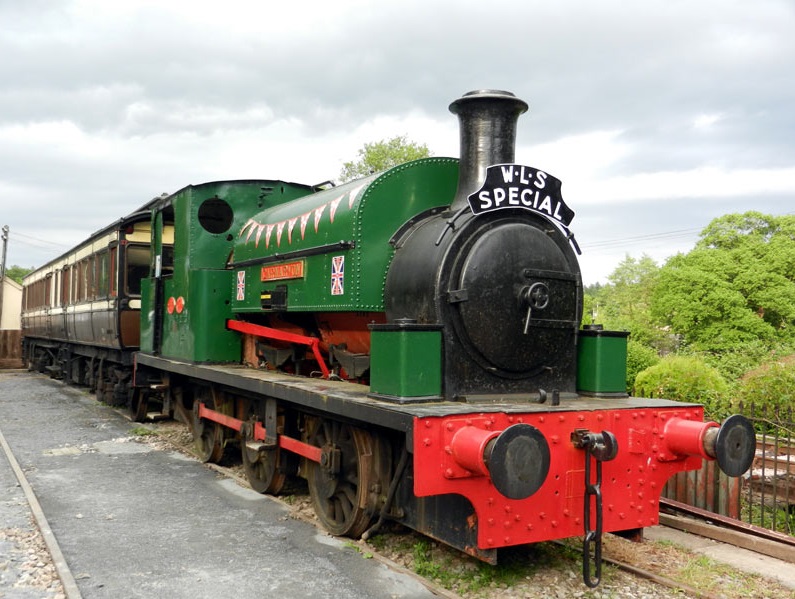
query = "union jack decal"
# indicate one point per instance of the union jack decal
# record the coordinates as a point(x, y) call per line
point(338, 275)
point(241, 285)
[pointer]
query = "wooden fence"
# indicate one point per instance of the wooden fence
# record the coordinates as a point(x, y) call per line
point(708, 489)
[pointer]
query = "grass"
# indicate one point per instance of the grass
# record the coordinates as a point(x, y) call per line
point(358, 549)
point(142, 431)
point(706, 574)
point(464, 574)
point(776, 518)
point(468, 576)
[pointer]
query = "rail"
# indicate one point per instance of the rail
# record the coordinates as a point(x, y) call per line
point(70, 587)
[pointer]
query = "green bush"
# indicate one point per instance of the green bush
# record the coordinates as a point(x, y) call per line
point(771, 387)
point(639, 358)
point(735, 363)
point(686, 378)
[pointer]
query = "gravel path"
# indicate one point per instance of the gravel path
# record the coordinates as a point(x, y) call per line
point(26, 568)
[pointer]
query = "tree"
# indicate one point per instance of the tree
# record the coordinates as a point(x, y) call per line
point(624, 303)
point(639, 358)
point(16, 273)
point(731, 231)
point(381, 155)
point(698, 299)
point(735, 289)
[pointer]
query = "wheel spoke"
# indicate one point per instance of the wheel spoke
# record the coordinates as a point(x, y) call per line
point(349, 493)
point(328, 433)
point(208, 436)
point(345, 508)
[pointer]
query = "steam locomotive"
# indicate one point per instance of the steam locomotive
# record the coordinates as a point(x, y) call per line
point(408, 343)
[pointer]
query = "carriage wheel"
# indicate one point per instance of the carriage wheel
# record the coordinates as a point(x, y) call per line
point(340, 498)
point(260, 463)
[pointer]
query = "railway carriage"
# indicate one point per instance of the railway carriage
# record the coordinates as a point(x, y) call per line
point(81, 312)
point(409, 343)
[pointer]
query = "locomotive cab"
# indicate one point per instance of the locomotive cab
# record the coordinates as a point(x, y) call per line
point(186, 295)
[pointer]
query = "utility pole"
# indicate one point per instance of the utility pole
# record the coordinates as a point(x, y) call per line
point(3, 271)
point(5, 246)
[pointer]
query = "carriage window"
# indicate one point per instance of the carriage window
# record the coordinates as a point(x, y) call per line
point(65, 283)
point(138, 257)
point(75, 280)
point(47, 291)
point(82, 281)
point(56, 289)
point(114, 290)
point(103, 274)
point(92, 277)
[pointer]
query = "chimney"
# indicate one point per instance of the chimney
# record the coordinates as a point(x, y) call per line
point(487, 120)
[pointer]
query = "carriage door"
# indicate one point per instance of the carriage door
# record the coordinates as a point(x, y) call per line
point(162, 271)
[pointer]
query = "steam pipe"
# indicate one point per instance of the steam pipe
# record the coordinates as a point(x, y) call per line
point(487, 123)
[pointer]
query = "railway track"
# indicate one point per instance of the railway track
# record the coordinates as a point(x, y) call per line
point(54, 553)
point(616, 549)
point(546, 567)
point(728, 530)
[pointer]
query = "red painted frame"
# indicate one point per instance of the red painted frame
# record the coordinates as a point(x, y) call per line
point(310, 452)
point(278, 335)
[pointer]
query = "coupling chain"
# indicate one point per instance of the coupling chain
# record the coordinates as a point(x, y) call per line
point(599, 447)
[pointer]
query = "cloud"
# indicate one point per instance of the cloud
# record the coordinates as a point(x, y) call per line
point(636, 107)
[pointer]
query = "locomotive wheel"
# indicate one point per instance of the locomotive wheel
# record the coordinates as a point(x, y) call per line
point(209, 441)
point(139, 404)
point(340, 498)
point(261, 465)
point(208, 436)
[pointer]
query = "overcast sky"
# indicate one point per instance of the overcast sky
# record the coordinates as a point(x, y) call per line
point(657, 115)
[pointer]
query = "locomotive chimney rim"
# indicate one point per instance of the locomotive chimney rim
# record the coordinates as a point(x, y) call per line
point(487, 122)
